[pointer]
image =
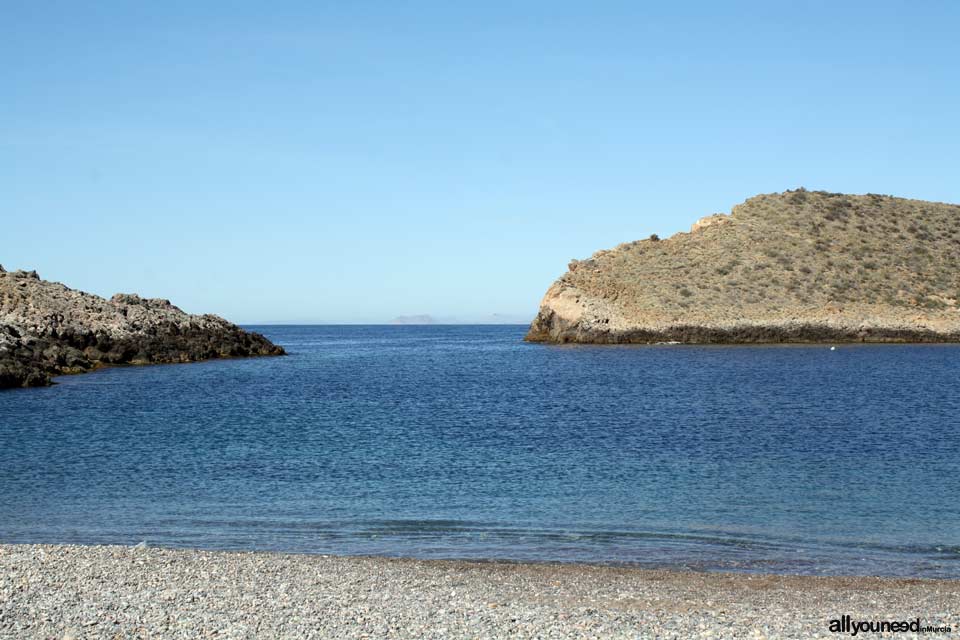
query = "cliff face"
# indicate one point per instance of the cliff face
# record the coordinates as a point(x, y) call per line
point(793, 267)
point(48, 329)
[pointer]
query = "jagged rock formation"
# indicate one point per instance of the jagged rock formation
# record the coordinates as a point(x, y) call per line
point(48, 329)
point(798, 266)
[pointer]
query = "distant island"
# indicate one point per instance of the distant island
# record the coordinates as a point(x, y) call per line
point(47, 329)
point(417, 319)
point(799, 266)
point(493, 318)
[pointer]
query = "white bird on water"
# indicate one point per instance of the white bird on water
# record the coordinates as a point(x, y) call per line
point(833, 348)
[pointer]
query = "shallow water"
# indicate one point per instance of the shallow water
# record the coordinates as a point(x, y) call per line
point(465, 442)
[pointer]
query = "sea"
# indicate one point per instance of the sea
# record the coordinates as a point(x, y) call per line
point(466, 442)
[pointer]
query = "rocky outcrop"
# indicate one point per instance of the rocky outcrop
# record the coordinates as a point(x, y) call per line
point(48, 329)
point(797, 266)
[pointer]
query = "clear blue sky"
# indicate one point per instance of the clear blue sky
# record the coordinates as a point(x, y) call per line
point(355, 161)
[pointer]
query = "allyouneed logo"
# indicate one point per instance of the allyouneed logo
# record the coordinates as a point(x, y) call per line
point(846, 624)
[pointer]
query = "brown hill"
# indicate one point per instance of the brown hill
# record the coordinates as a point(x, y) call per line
point(798, 266)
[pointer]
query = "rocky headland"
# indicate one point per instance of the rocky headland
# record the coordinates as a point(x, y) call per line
point(48, 329)
point(798, 266)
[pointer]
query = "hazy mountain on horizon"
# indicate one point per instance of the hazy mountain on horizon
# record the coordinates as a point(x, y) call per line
point(493, 318)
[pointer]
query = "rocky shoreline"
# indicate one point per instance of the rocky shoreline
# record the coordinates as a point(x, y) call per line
point(48, 329)
point(546, 328)
point(54, 591)
point(793, 267)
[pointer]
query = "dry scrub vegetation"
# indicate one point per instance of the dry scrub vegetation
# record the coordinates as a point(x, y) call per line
point(798, 256)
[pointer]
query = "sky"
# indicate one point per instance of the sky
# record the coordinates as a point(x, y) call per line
point(350, 162)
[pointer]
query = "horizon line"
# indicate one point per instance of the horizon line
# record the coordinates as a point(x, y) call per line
point(386, 324)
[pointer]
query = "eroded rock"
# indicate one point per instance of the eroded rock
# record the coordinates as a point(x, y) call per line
point(47, 329)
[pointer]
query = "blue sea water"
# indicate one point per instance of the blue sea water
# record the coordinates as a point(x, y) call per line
point(465, 442)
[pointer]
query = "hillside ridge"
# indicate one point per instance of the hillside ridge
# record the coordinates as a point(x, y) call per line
point(798, 266)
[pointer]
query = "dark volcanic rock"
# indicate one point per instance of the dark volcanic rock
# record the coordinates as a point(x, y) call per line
point(48, 329)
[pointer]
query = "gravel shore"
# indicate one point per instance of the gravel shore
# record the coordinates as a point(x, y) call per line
point(52, 591)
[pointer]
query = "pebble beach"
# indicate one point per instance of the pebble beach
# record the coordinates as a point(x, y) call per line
point(60, 591)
